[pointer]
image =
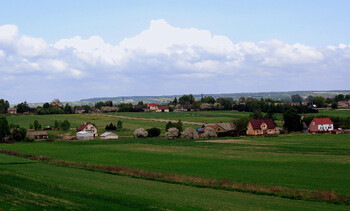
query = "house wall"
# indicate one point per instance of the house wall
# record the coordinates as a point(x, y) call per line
point(90, 128)
point(262, 131)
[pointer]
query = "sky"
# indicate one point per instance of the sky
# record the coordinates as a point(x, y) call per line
point(74, 50)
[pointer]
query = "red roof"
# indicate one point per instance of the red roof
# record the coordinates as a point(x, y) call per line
point(321, 121)
point(152, 104)
point(83, 126)
point(212, 126)
point(256, 123)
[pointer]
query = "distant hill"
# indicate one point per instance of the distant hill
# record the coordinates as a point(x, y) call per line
point(166, 98)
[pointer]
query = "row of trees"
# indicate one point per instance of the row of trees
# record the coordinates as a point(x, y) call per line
point(11, 132)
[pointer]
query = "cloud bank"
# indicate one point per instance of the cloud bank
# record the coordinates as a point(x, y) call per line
point(162, 59)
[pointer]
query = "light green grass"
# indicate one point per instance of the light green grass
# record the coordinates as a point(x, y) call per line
point(36, 186)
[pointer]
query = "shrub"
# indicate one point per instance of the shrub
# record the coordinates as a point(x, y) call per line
point(177, 125)
point(140, 133)
point(119, 125)
point(172, 133)
point(209, 133)
point(65, 125)
point(153, 132)
point(18, 133)
point(111, 127)
point(190, 133)
point(37, 126)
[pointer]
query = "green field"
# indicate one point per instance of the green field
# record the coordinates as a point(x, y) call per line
point(27, 185)
point(194, 116)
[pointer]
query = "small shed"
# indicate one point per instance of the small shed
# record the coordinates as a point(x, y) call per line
point(109, 135)
point(82, 135)
point(37, 135)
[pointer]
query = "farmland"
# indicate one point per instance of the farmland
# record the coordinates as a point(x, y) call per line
point(297, 164)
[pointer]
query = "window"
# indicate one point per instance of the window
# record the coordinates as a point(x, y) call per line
point(257, 131)
point(313, 123)
point(269, 131)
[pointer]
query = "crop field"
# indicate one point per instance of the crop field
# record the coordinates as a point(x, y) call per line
point(286, 172)
point(296, 162)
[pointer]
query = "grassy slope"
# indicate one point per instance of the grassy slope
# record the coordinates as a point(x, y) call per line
point(31, 186)
point(311, 162)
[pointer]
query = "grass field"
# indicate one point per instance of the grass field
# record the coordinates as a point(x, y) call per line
point(32, 186)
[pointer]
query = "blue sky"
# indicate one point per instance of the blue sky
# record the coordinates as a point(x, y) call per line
point(116, 48)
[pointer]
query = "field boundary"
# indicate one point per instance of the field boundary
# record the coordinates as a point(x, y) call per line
point(148, 119)
point(225, 184)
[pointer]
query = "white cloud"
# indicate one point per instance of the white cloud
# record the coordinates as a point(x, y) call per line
point(168, 56)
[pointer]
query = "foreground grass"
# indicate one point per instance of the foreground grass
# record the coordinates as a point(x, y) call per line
point(311, 162)
point(29, 185)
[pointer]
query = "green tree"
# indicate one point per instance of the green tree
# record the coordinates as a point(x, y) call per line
point(241, 125)
point(257, 114)
point(4, 105)
point(296, 98)
point(208, 99)
point(225, 102)
point(153, 132)
point(177, 125)
point(56, 125)
point(4, 128)
point(292, 121)
point(18, 133)
point(186, 99)
point(68, 109)
point(328, 100)
point(37, 126)
point(119, 125)
point(334, 105)
point(319, 101)
point(339, 97)
point(65, 125)
point(47, 106)
point(22, 107)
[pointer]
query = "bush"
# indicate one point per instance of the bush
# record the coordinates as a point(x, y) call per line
point(119, 125)
point(140, 133)
point(18, 133)
point(209, 133)
point(65, 125)
point(153, 132)
point(190, 133)
point(177, 125)
point(111, 127)
point(172, 133)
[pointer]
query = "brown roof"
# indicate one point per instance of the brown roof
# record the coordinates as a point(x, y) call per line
point(256, 123)
point(227, 126)
point(84, 125)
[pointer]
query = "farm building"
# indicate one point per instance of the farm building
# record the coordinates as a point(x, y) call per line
point(152, 107)
point(89, 127)
point(319, 125)
point(162, 109)
point(261, 127)
point(79, 110)
point(221, 129)
point(344, 104)
point(12, 110)
point(37, 135)
point(82, 135)
point(109, 135)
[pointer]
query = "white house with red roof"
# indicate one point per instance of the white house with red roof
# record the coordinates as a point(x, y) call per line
point(152, 107)
point(89, 128)
point(319, 125)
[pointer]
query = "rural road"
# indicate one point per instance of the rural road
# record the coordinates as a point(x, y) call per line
point(148, 119)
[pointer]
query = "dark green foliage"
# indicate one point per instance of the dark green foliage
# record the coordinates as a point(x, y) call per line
point(257, 114)
point(241, 125)
point(51, 110)
point(111, 126)
point(4, 105)
point(119, 125)
point(319, 101)
point(125, 107)
point(18, 133)
point(68, 109)
point(4, 128)
point(208, 99)
point(187, 99)
point(339, 97)
point(225, 102)
point(47, 106)
point(153, 132)
point(65, 125)
point(292, 120)
point(101, 104)
point(334, 105)
point(37, 126)
point(177, 125)
point(296, 98)
point(23, 107)
point(56, 125)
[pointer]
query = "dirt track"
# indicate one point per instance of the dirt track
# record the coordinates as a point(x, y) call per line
point(147, 119)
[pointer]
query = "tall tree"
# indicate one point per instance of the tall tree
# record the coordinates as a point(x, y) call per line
point(4, 128)
point(4, 105)
point(292, 121)
point(296, 98)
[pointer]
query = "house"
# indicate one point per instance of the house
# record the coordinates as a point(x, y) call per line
point(320, 125)
point(221, 129)
point(162, 109)
point(12, 110)
point(343, 104)
point(152, 107)
point(79, 110)
point(294, 104)
point(82, 135)
point(179, 108)
point(261, 127)
point(109, 109)
point(88, 127)
point(109, 135)
point(37, 135)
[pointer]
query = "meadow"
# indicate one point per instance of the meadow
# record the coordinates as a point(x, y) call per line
point(155, 173)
